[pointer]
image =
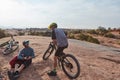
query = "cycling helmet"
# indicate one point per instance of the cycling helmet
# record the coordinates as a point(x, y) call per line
point(52, 25)
point(26, 42)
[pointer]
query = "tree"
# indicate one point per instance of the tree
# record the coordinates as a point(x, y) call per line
point(101, 30)
point(109, 29)
point(2, 33)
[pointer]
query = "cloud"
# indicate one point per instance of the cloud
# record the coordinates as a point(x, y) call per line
point(67, 13)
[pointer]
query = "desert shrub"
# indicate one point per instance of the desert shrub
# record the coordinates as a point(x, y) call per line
point(110, 35)
point(40, 33)
point(93, 40)
point(31, 33)
point(8, 35)
point(92, 32)
point(83, 37)
point(15, 35)
point(34, 33)
point(87, 38)
point(46, 33)
point(71, 36)
point(102, 31)
point(21, 33)
point(109, 29)
point(2, 33)
point(76, 31)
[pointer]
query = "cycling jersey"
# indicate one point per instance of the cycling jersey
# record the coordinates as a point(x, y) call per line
point(60, 36)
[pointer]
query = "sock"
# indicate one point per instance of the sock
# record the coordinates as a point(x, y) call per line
point(16, 72)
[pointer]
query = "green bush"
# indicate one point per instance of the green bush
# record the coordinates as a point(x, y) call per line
point(71, 36)
point(93, 40)
point(110, 35)
point(87, 38)
point(83, 37)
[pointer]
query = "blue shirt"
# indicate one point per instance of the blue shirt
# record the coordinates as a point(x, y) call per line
point(26, 52)
point(60, 37)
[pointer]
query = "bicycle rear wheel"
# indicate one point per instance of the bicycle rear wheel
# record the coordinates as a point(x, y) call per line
point(48, 52)
point(71, 66)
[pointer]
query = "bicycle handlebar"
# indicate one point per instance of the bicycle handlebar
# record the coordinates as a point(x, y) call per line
point(53, 45)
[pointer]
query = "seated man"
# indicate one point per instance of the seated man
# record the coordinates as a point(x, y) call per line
point(23, 60)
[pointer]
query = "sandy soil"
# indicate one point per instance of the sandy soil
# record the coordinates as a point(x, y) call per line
point(111, 42)
point(95, 64)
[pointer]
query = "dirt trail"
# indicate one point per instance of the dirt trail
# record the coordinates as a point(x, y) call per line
point(97, 63)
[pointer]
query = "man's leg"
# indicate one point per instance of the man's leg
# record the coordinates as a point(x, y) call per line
point(53, 72)
point(24, 65)
point(55, 62)
point(12, 63)
point(19, 69)
point(57, 53)
point(16, 67)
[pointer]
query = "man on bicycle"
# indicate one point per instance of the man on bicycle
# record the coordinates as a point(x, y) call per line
point(60, 40)
point(23, 60)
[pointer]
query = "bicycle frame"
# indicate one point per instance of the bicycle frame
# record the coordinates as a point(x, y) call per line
point(10, 44)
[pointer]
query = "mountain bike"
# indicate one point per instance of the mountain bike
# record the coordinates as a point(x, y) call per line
point(67, 62)
point(10, 47)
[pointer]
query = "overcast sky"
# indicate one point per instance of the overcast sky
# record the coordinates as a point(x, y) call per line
point(66, 13)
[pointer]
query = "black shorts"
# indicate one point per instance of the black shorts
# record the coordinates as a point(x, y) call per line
point(27, 62)
point(59, 50)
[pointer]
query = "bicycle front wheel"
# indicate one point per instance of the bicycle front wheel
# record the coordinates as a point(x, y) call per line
point(71, 66)
point(47, 53)
point(10, 50)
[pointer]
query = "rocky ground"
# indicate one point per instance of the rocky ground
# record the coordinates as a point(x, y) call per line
point(97, 62)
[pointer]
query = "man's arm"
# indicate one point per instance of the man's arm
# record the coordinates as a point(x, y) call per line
point(32, 55)
point(54, 37)
point(54, 41)
point(21, 56)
